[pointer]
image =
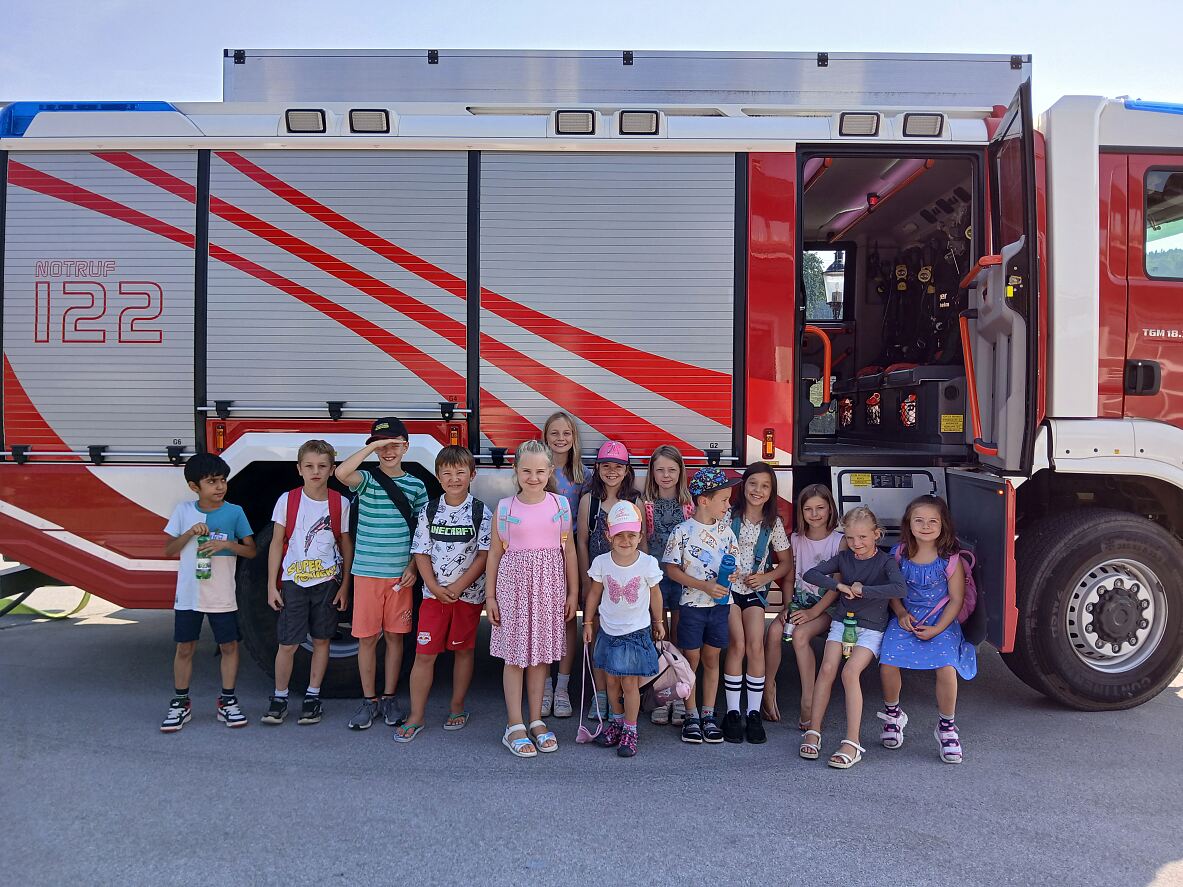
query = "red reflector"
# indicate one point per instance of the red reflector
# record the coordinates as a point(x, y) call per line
point(769, 449)
point(872, 200)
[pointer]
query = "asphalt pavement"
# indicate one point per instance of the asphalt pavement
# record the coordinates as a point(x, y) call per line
point(92, 793)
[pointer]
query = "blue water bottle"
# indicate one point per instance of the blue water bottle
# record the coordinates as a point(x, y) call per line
point(726, 568)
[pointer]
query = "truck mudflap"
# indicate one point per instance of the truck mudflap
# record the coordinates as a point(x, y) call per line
point(983, 509)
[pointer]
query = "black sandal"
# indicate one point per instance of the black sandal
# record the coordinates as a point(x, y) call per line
point(692, 731)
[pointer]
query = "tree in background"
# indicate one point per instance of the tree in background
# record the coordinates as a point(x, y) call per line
point(812, 269)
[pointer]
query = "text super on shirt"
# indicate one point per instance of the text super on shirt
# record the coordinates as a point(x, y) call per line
point(698, 548)
point(215, 594)
point(312, 555)
point(452, 543)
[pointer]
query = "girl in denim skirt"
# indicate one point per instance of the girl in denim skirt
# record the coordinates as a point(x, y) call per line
point(626, 595)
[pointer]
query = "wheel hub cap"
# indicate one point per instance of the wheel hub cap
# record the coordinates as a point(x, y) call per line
point(1116, 615)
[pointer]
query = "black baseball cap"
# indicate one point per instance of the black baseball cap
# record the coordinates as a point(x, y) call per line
point(388, 429)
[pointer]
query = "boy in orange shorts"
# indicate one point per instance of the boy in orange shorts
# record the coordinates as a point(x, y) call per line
point(388, 499)
point(450, 548)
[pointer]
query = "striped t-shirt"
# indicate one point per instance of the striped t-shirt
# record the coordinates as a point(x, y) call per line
point(382, 548)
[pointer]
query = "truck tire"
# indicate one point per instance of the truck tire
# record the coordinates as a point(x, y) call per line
point(1100, 609)
point(257, 623)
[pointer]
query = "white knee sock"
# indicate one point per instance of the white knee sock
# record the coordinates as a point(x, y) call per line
point(755, 692)
point(732, 685)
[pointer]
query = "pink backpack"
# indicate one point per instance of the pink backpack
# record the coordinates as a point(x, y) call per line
point(971, 589)
point(674, 679)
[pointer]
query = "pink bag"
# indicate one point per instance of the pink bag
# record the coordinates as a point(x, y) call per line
point(674, 679)
point(971, 588)
point(583, 734)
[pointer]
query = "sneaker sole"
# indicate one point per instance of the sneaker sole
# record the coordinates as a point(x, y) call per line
point(305, 721)
point(267, 719)
point(361, 726)
point(177, 729)
point(233, 725)
point(710, 741)
point(690, 740)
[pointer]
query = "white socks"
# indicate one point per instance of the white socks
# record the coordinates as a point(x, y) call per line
point(732, 685)
point(755, 692)
point(562, 682)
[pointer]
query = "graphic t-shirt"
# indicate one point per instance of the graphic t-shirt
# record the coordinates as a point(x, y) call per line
point(383, 545)
point(312, 556)
point(697, 548)
point(624, 606)
point(453, 545)
point(667, 514)
point(215, 594)
point(749, 535)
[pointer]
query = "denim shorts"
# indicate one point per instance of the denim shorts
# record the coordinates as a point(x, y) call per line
point(626, 655)
point(671, 593)
point(703, 625)
point(187, 626)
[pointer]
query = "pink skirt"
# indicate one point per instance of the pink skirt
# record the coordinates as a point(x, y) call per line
point(532, 596)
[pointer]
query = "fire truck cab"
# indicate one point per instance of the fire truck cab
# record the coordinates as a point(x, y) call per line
point(879, 272)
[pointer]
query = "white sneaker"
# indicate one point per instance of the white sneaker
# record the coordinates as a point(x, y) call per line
point(661, 714)
point(548, 699)
point(678, 712)
point(562, 707)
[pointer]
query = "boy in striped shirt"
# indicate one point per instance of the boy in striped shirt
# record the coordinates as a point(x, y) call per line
point(384, 573)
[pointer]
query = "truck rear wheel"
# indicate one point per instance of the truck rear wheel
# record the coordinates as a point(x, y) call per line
point(257, 622)
point(1100, 609)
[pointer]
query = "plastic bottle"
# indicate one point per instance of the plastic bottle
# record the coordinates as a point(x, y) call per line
point(793, 608)
point(849, 634)
point(205, 564)
point(726, 568)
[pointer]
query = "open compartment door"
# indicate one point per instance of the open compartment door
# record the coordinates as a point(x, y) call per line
point(983, 510)
point(1001, 317)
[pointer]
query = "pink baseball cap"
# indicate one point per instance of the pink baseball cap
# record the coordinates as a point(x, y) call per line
point(613, 451)
point(624, 518)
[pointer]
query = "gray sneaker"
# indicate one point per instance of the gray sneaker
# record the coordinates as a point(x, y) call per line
point(364, 716)
point(391, 713)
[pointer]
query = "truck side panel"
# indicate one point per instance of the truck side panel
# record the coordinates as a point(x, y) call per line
point(615, 274)
point(98, 314)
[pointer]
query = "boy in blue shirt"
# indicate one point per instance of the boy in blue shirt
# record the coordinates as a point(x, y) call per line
point(229, 535)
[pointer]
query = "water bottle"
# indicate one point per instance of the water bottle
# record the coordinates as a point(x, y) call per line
point(787, 637)
point(849, 634)
point(726, 568)
point(205, 564)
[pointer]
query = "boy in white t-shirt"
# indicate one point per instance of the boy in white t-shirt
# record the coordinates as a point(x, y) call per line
point(209, 535)
point(626, 596)
point(450, 547)
point(692, 557)
point(308, 569)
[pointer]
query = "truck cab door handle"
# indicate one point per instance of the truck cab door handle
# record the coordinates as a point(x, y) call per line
point(1142, 377)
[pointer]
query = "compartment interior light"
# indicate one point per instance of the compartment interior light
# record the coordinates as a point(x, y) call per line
point(369, 120)
point(858, 124)
point(638, 123)
point(305, 120)
point(575, 123)
point(923, 125)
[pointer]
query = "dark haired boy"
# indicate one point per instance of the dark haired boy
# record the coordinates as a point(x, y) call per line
point(205, 584)
point(451, 546)
point(384, 575)
point(692, 558)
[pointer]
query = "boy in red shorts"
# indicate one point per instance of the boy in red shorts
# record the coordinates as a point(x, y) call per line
point(384, 576)
point(450, 548)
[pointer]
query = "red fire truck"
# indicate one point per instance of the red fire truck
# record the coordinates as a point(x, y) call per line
point(874, 271)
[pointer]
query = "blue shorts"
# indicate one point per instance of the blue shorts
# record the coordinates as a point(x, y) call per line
point(671, 593)
point(699, 626)
point(187, 626)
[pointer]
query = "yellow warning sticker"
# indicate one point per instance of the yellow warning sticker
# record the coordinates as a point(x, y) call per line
point(952, 423)
point(860, 480)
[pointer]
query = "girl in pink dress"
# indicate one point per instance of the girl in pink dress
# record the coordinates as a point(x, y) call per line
point(532, 591)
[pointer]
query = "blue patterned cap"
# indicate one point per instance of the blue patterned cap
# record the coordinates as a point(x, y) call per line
point(707, 480)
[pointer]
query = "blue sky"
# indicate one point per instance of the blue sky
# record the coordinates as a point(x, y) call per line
point(119, 49)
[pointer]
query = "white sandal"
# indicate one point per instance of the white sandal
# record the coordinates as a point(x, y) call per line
point(815, 748)
point(893, 729)
point(949, 743)
point(846, 761)
point(540, 738)
point(522, 747)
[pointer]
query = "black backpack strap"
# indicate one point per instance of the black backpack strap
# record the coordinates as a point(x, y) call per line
point(478, 516)
point(397, 496)
point(593, 514)
point(433, 508)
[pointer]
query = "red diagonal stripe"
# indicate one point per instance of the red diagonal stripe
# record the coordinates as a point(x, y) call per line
point(423, 365)
point(24, 422)
point(593, 408)
point(661, 375)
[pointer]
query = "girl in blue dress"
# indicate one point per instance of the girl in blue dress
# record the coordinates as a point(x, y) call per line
point(925, 633)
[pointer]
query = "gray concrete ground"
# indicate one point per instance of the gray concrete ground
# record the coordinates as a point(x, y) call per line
point(92, 793)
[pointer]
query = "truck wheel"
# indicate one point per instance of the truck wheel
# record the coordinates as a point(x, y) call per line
point(257, 622)
point(1100, 609)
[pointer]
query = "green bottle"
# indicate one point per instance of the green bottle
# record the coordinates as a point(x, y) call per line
point(849, 634)
point(205, 565)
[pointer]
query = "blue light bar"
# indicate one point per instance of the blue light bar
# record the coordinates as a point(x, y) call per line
point(1160, 107)
point(15, 118)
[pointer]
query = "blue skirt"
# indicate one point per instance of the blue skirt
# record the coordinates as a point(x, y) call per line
point(626, 655)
